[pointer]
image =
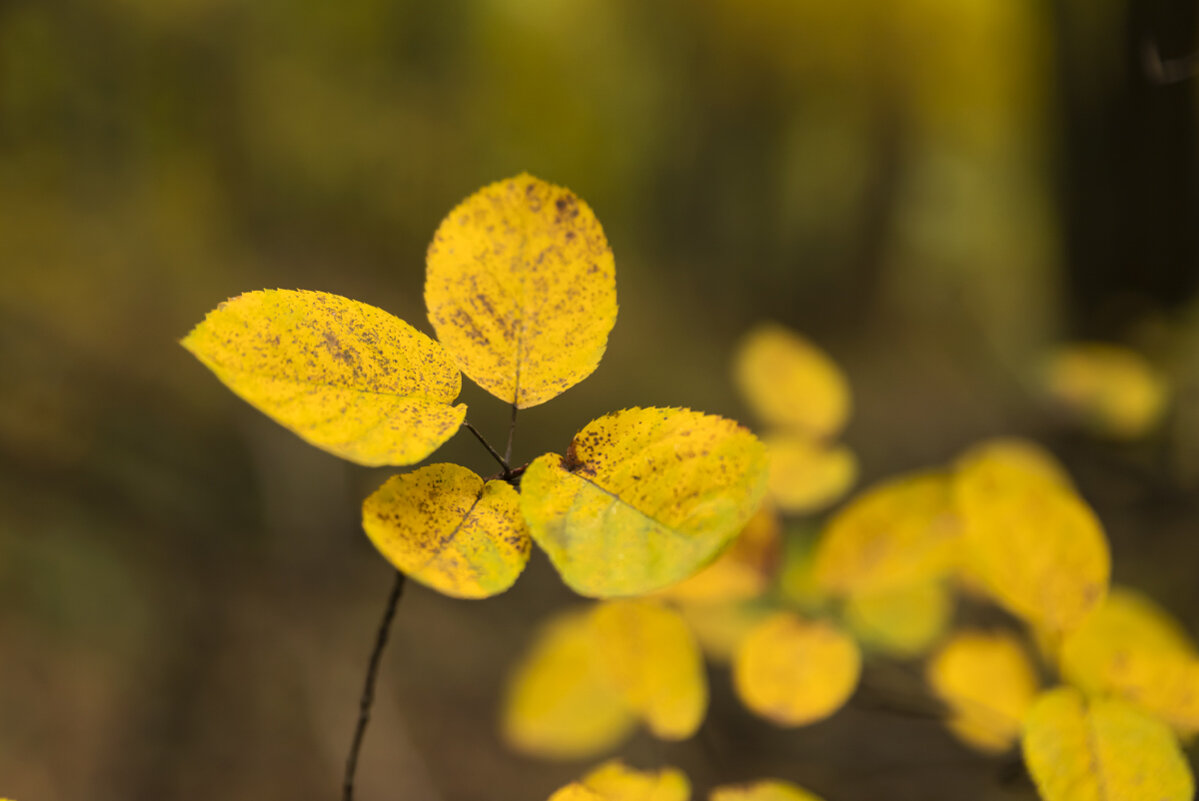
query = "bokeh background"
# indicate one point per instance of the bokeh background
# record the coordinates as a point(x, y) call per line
point(935, 191)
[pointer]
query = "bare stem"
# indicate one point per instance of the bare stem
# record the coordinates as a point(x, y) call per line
point(368, 690)
point(503, 462)
point(511, 434)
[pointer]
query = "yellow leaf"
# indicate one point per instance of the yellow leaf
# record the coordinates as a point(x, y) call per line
point(651, 659)
point(1130, 646)
point(1111, 388)
point(643, 498)
point(1037, 546)
point(892, 535)
point(791, 383)
point(558, 703)
point(719, 628)
point(794, 672)
point(347, 377)
point(521, 289)
point(764, 790)
point(988, 682)
point(806, 475)
point(742, 572)
point(613, 781)
point(448, 530)
point(904, 621)
point(1102, 750)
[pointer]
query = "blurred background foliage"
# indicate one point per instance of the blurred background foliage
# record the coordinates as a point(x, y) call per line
point(935, 191)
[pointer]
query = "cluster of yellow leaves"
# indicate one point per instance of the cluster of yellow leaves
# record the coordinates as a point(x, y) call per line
point(796, 389)
point(614, 781)
point(520, 288)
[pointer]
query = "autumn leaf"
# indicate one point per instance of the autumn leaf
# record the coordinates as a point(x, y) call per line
point(1112, 389)
point(742, 572)
point(901, 621)
point(1092, 750)
point(348, 378)
point(1131, 647)
point(1035, 543)
point(559, 703)
point(763, 790)
point(988, 682)
point(651, 659)
point(446, 528)
point(807, 475)
point(892, 535)
point(793, 671)
point(521, 289)
point(643, 498)
point(790, 383)
point(614, 781)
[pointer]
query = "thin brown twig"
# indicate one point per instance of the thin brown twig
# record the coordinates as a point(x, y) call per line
point(496, 454)
point(368, 690)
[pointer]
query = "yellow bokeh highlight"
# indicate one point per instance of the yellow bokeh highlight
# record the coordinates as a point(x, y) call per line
point(742, 572)
point(763, 790)
point(806, 475)
point(902, 622)
point(615, 781)
point(1111, 388)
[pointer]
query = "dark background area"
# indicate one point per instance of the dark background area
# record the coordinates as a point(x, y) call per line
point(935, 191)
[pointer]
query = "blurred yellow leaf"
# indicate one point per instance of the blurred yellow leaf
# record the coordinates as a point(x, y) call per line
point(1000, 454)
point(448, 530)
point(794, 672)
point(903, 621)
point(614, 781)
point(806, 475)
point(558, 703)
point(1080, 750)
point(1111, 388)
point(892, 535)
point(988, 682)
point(1130, 646)
point(347, 377)
point(652, 660)
point(643, 498)
point(719, 628)
point(764, 790)
point(521, 289)
point(1034, 542)
point(742, 572)
point(791, 383)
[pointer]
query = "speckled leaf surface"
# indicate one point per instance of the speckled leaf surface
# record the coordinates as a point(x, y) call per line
point(1102, 750)
point(521, 289)
point(644, 498)
point(347, 377)
point(446, 528)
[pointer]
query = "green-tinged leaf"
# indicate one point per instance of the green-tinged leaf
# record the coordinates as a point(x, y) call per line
point(559, 703)
point(521, 289)
point(1031, 539)
point(614, 781)
point(988, 682)
point(791, 383)
point(347, 377)
point(807, 475)
point(904, 621)
point(1131, 647)
point(1102, 750)
point(892, 535)
point(651, 659)
point(763, 790)
point(643, 498)
point(793, 672)
point(446, 528)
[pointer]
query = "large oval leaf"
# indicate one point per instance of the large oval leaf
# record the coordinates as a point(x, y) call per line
point(1035, 543)
point(347, 377)
point(643, 498)
point(1102, 750)
point(652, 660)
point(448, 530)
point(793, 672)
point(559, 702)
point(521, 289)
